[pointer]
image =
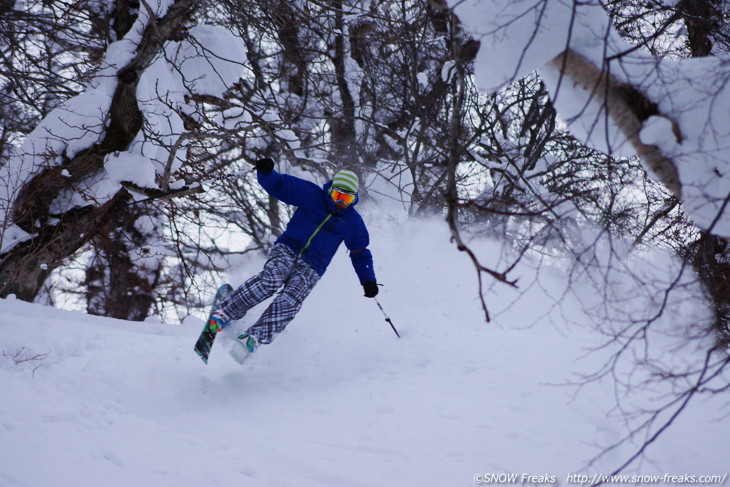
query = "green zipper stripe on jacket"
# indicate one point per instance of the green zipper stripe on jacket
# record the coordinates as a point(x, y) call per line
point(311, 237)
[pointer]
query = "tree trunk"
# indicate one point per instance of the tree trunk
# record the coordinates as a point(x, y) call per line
point(710, 256)
point(121, 279)
point(702, 18)
point(26, 267)
point(343, 126)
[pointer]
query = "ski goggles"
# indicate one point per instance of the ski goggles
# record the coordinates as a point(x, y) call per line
point(338, 194)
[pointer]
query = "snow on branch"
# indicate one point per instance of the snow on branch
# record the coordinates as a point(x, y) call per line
point(628, 109)
point(616, 97)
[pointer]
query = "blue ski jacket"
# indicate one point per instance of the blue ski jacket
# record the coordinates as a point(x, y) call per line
point(318, 227)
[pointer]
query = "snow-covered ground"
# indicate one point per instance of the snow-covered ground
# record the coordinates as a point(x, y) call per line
point(337, 400)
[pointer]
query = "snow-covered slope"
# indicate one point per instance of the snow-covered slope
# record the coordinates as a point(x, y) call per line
point(337, 400)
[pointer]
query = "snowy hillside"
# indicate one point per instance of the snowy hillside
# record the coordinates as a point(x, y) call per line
point(337, 400)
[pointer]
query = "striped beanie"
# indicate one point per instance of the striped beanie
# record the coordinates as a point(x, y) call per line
point(346, 180)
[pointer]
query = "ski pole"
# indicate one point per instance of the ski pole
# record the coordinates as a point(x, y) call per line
point(387, 318)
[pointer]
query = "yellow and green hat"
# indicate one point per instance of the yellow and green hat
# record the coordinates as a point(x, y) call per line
point(346, 180)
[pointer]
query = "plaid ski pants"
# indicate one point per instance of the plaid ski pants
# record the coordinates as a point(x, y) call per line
point(283, 268)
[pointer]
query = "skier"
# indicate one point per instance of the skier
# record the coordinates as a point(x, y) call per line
point(325, 217)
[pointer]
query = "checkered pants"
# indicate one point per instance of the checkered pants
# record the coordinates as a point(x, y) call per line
point(282, 269)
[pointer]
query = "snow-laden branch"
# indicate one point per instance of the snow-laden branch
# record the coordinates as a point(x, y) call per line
point(68, 179)
point(627, 108)
point(616, 97)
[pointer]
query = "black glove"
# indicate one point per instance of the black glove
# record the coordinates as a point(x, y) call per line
point(265, 165)
point(371, 289)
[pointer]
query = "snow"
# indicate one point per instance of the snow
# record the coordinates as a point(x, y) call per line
point(11, 236)
point(447, 71)
point(235, 116)
point(657, 131)
point(289, 137)
point(338, 400)
point(134, 168)
point(210, 60)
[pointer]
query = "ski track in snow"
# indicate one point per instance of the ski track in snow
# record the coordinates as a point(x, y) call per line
point(337, 400)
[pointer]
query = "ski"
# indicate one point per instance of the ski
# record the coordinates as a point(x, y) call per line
point(240, 350)
point(207, 336)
